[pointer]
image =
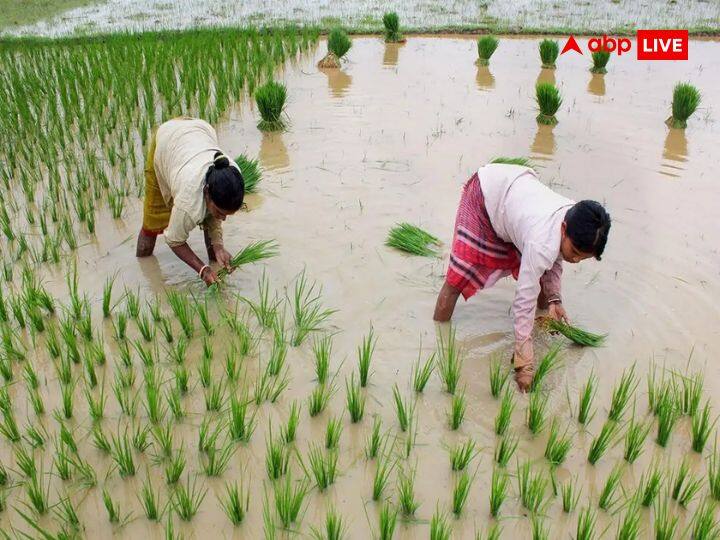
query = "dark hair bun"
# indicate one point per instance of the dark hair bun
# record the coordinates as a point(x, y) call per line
point(220, 160)
point(588, 226)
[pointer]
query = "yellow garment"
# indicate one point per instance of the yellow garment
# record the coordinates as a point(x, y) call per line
point(156, 212)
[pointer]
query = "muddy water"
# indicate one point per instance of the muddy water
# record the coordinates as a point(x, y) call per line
point(392, 137)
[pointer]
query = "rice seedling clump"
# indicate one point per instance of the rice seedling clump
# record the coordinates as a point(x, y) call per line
point(412, 239)
point(270, 99)
point(338, 44)
point(486, 46)
point(251, 172)
point(391, 22)
point(686, 99)
point(549, 100)
point(575, 334)
point(549, 51)
point(600, 59)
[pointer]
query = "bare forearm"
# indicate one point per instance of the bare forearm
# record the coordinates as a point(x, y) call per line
point(187, 255)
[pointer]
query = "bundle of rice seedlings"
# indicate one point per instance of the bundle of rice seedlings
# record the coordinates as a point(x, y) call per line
point(391, 22)
point(570, 494)
point(686, 98)
point(498, 490)
point(609, 496)
point(338, 45)
point(270, 99)
point(586, 524)
point(704, 525)
point(600, 59)
point(256, 251)
point(575, 334)
point(602, 442)
point(549, 51)
point(549, 100)
point(412, 239)
point(665, 522)
point(486, 46)
point(522, 161)
point(251, 172)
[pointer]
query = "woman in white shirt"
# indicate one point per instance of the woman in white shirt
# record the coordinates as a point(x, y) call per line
point(189, 182)
point(509, 223)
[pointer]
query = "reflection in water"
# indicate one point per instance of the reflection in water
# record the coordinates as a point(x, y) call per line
point(596, 86)
point(338, 81)
point(676, 147)
point(546, 75)
point(391, 54)
point(484, 78)
point(544, 142)
point(273, 153)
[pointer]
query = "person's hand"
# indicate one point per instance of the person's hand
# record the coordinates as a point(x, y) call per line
point(557, 312)
point(223, 258)
point(523, 360)
point(524, 377)
point(209, 276)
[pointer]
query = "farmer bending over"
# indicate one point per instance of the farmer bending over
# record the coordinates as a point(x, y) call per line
point(510, 223)
point(189, 182)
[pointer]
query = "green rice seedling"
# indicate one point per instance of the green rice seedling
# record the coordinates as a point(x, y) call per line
point(148, 354)
point(323, 466)
point(421, 373)
point(486, 46)
point(570, 495)
point(691, 393)
point(322, 349)
point(37, 402)
point(355, 399)
point(65, 512)
point(270, 99)
point(277, 457)
point(391, 22)
point(269, 526)
point(35, 436)
point(164, 440)
point(461, 492)
point(241, 424)
point(558, 444)
point(175, 404)
point(387, 521)
point(335, 527)
point(90, 374)
point(207, 435)
point(549, 51)
point(713, 473)
point(121, 454)
point(406, 492)
point(665, 522)
point(201, 309)
point(505, 449)
point(251, 172)
point(149, 500)
point(457, 410)
point(383, 470)
point(124, 354)
point(635, 436)
point(575, 334)
point(113, 509)
point(25, 461)
point(67, 438)
point(374, 440)
point(37, 494)
point(100, 440)
point(539, 529)
point(547, 364)
point(522, 161)
point(462, 454)
point(265, 309)
point(132, 303)
point(365, 352)
point(63, 368)
point(139, 438)
point(175, 467)
point(440, 529)
point(600, 60)
point(704, 526)
point(609, 495)
point(62, 462)
point(85, 473)
point(686, 99)
point(120, 326)
point(498, 490)
point(549, 100)
point(587, 519)
point(261, 249)
point(629, 527)
point(4, 476)
point(178, 352)
point(450, 361)
point(290, 428)
point(403, 408)
point(236, 503)
point(650, 483)
point(338, 44)
point(308, 313)
point(183, 312)
point(278, 354)
point(685, 485)
point(332, 432)
point(668, 415)
point(622, 393)
point(319, 398)
point(166, 330)
point(67, 392)
point(186, 499)
point(531, 487)
point(218, 460)
point(289, 498)
point(498, 377)
point(587, 395)
point(412, 239)
point(6, 369)
point(8, 426)
point(536, 412)
point(215, 397)
point(145, 327)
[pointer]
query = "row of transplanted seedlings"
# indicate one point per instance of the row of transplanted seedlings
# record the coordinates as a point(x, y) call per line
point(128, 396)
point(75, 115)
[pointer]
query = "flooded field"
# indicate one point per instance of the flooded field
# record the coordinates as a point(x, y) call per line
point(391, 137)
point(366, 15)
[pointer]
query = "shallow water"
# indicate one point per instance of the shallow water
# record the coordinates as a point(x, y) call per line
point(610, 16)
point(392, 137)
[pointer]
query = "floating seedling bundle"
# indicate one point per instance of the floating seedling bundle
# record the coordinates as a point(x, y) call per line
point(270, 99)
point(338, 45)
point(549, 100)
point(412, 239)
point(251, 172)
point(549, 51)
point(575, 334)
point(391, 22)
point(486, 46)
point(600, 60)
point(686, 99)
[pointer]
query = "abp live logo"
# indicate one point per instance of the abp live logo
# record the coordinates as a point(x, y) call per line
point(651, 45)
